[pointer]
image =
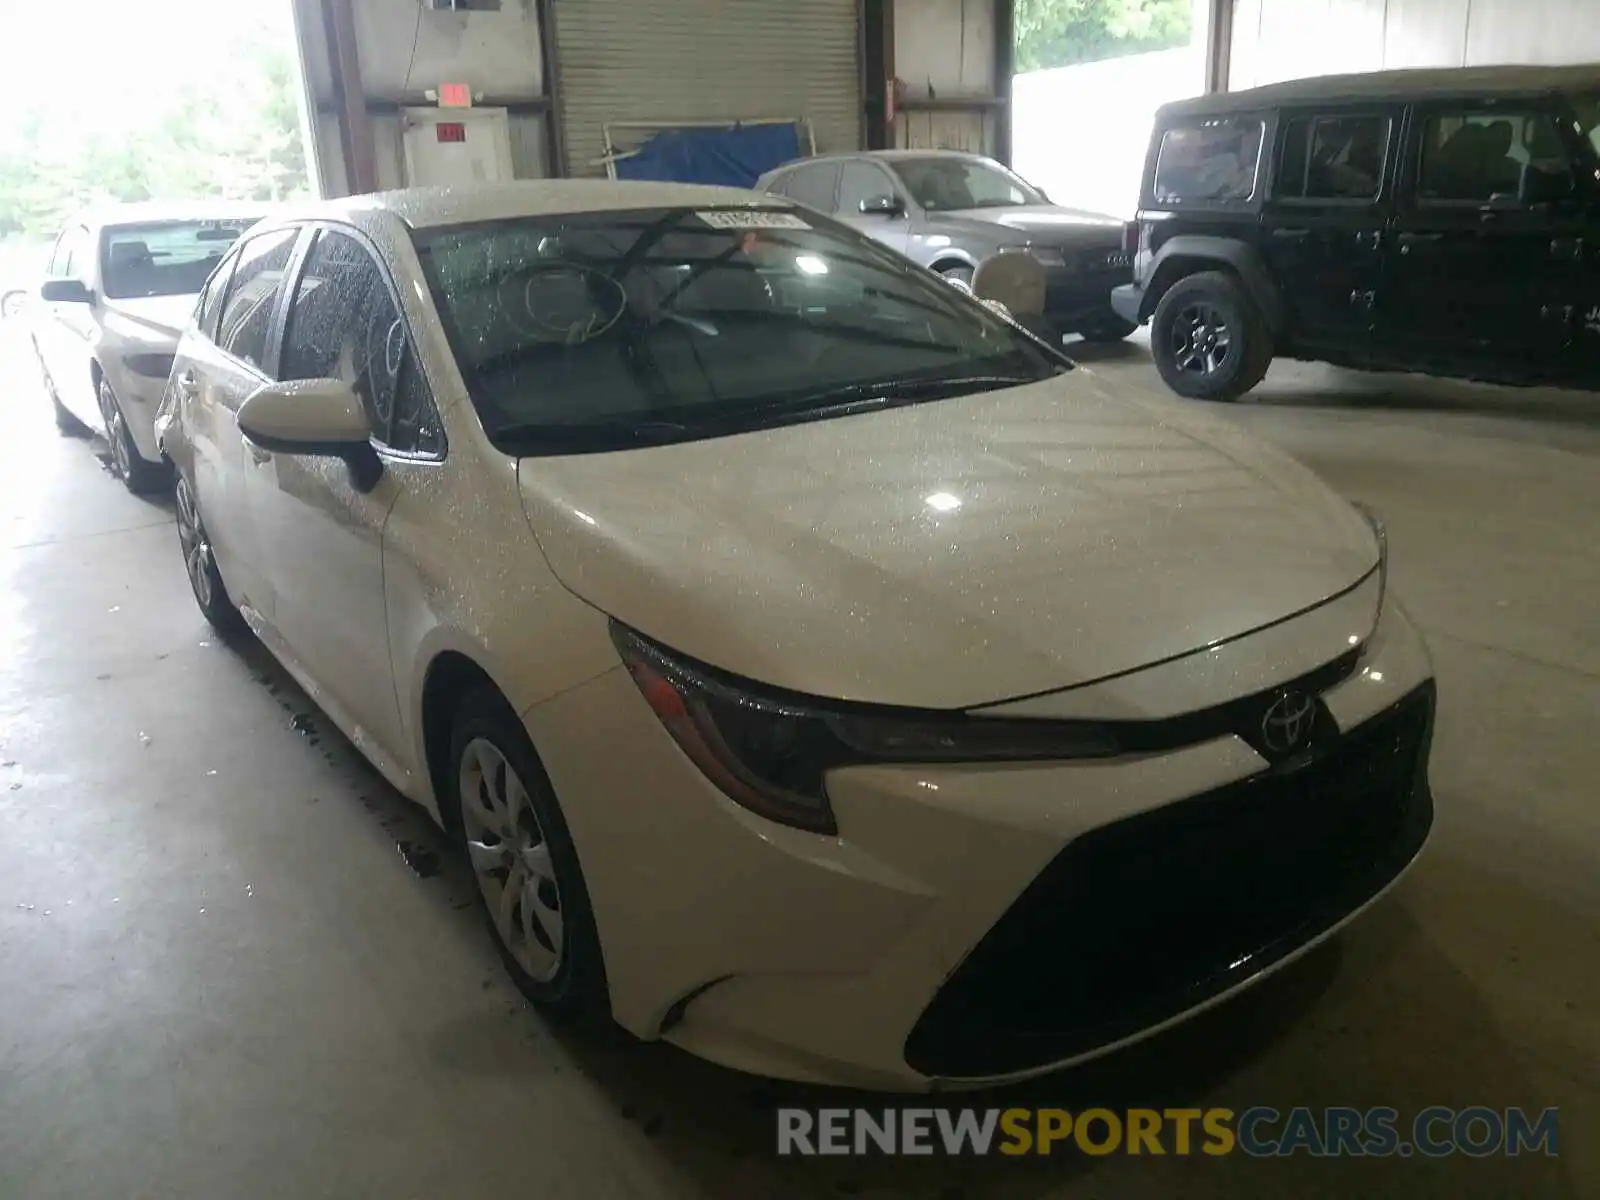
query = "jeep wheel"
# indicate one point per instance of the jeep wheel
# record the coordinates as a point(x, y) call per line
point(1209, 339)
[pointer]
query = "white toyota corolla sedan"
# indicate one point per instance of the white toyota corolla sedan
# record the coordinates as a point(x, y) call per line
point(819, 673)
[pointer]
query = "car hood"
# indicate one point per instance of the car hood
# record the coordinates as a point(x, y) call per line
point(1045, 222)
point(952, 553)
point(163, 316)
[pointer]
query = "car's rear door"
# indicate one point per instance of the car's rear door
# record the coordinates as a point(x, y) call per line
point(222, 373)
point(1324, 220)
point(66, 329)
point(1483, 270)
point(323, 534)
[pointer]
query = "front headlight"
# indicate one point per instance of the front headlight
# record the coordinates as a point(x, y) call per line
point(770, 751)
point(1381, 533)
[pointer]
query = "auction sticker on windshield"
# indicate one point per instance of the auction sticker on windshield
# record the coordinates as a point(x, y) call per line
point(740, 218)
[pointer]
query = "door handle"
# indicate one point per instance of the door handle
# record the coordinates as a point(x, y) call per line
point(1408, 240)
point(1291, 235)
point(188, 385)
point(1567, 248)
point(1371, 239)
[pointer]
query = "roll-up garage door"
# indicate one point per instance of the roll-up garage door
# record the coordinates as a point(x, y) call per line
point(706, 60)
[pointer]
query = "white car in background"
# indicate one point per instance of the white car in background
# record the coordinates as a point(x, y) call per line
point(817, 671)
point(119, 290)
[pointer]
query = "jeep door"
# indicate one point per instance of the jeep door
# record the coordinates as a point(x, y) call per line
point(1484, 271)
point(1324, 219)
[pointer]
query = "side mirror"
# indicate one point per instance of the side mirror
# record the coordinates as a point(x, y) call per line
point(882, 206)
point(65, 291)
point(320, 418)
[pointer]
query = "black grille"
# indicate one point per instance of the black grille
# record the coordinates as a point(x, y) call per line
point(1138, 921)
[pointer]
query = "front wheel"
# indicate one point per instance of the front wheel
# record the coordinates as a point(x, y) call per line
point(137, 474)
point(530, 885)
point(204, 579)
point(1209, 339)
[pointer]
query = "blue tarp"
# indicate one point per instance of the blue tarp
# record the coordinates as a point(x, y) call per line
point(735, 156)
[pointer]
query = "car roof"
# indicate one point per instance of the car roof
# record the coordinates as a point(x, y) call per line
point(149, 212)
point(433, 207)
point(1394, 85)
point(882, 156)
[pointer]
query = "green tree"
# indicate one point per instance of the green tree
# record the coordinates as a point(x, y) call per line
point(231, 132)
point(1060, 33)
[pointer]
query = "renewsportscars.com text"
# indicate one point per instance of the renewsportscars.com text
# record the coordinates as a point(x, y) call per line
point(1262, 1132)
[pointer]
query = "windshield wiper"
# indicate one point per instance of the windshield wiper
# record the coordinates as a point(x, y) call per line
point(578, 439)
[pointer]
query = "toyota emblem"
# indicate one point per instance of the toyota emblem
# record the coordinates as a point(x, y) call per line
point(1286, 725)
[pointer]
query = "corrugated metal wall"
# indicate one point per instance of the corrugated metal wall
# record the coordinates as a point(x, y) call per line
point(706, 60)
point(1288, 39)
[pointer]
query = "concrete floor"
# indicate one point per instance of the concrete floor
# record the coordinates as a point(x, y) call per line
point(219, 978)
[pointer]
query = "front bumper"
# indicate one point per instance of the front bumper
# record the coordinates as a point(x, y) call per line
point(974, 924)
point(1127, 301)
point(1079, 298)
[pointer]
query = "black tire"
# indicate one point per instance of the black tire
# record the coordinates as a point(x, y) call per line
point(1108, 330)
point(137, 473)
point(1210, 305)
point(958, 274)
point(578, 984)
point(205, 581)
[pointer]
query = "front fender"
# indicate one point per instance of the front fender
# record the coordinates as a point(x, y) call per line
point(1187, 253)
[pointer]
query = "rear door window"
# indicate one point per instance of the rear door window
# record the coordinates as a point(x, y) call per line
point(210, 305)
point(252, 295)
point(1211, 160)
point(815, 186)
point(1499, 155)
point(1337, 158)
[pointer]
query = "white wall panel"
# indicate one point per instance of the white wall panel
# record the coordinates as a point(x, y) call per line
point(496, 51)
point(948, 44)
point(1289, 39)
point(1534, 31)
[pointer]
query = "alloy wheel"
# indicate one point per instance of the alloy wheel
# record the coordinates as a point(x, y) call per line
point(511, 859)
point(116, 432)
point(1201, 339)
point(192, 540)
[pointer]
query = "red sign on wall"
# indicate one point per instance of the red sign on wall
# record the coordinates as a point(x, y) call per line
point(451, 131)
point(455, 95)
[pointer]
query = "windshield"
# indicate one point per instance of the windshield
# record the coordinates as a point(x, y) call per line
point(167, 258)
point(605, 330)
point(941, 184)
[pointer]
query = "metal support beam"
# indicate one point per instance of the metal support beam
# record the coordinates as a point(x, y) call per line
point(355, 124)
point(555, 120)
point(1219, 43)
point(1005, 68)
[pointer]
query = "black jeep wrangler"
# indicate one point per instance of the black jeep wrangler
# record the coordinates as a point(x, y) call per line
point(1445, 221)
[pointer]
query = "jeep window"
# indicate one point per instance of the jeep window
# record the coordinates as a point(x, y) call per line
point(1332, 158)
point(1587, 109)
point(1209, 161)
point(1500, 156)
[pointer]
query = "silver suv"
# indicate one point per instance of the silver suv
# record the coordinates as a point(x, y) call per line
point(949, 210)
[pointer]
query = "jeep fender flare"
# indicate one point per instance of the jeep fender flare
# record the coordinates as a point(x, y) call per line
point(1188, 253)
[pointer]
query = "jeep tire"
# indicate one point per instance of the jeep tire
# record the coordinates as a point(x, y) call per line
point(1209, 339)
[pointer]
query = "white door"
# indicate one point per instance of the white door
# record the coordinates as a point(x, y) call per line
point(457, 145)
point(65, 331)
point(226, 373)
point(323, 533)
